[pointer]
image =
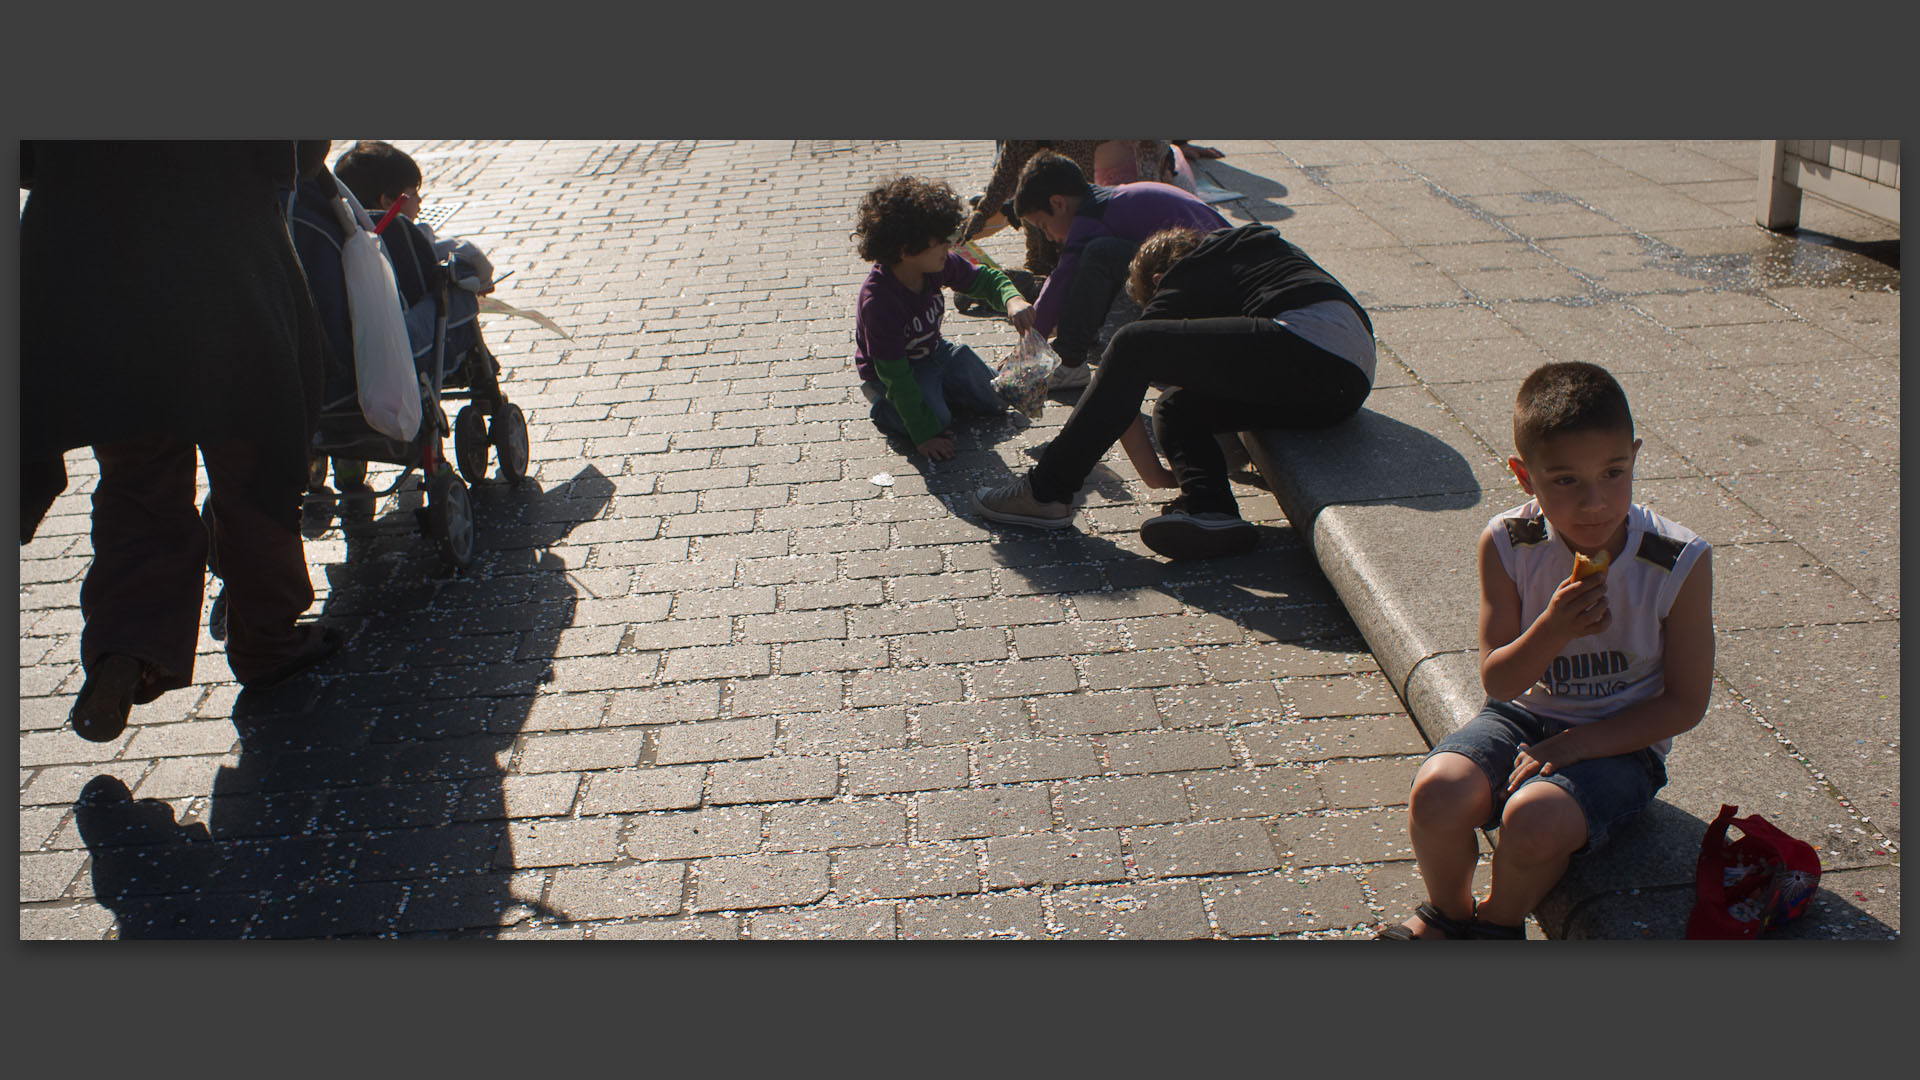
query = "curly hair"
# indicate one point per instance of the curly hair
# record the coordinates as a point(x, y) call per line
point(1045, 175)
point(1563, 398)
point(901, 216)
point(1156, 254)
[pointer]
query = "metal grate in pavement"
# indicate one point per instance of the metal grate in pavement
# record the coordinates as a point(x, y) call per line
point(829, 147)
point(637, 157)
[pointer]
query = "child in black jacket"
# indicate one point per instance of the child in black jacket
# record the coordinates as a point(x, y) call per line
point(1249, 333)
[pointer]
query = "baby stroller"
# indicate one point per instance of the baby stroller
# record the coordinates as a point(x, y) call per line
point(453, 364)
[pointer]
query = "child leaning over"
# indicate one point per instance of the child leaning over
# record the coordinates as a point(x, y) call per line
point(914, 378)
point(1587, 681)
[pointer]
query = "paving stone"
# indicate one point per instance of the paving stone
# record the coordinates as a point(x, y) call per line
point(991, 916)
point(592, 893)
point(862, 656)
point(1094, 713)
point(1018, 678)
point(1213, 705)
point(1321, 740)
point(1062, 858)
point(886, 772)
point(906, 686)
point(1357, 695)
point(953, 647)
point(772, 779)
point(649, 787)
point(610, 749)
point(1133, 800)
point(561, 842)
point(694, 928)
point(1254, 792)
point(1167, 751)
point(716, 740)
point(963, 815)
point(1124, 604)
point(1132, 910)
point(756, 881)
point(899, 871)
point(781, 694)
point(736, 661)
point(1260, 904)
point(1066, 639)
point(1360, 784)
point(971, 721)
point(1007, 761)
point(1369, 836)
point(860, 922)
point(664, 705)
point(692, 834)
point(836, 824)
point(1188, 848)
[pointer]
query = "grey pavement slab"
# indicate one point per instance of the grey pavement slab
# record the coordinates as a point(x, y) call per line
point(706, 680)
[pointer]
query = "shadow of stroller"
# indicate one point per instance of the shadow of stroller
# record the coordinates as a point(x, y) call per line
point(369, 797)
point(1259, 196)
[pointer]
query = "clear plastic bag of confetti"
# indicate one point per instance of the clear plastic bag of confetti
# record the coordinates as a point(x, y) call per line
point(1021, 379)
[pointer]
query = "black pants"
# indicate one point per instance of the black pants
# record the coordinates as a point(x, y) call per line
point(1231, 374)
point(1098, 276)
point(142, 594)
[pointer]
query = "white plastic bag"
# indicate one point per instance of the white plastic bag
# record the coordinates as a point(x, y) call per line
point(382, 354)
point(1022, 378)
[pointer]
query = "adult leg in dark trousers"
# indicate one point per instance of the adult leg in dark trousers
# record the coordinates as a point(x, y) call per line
point(142, 593)
point(1232, 374)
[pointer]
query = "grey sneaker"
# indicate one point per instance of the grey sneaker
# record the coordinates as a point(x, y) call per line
point(1014, 504)
point(1069, 378)
point(1180, 534)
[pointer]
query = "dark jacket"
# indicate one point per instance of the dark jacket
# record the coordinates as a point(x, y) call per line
point(160, 295)
point(1248, 271)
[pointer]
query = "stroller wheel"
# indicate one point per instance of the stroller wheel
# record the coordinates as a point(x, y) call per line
point(509, 431)
point(450, 519)
point(470, 443)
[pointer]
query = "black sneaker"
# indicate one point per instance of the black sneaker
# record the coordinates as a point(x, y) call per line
point(1178, 533)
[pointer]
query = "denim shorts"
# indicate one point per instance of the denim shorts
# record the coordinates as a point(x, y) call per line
point(1611, 791)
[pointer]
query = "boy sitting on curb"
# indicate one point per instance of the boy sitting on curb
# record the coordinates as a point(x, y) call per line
point(914, 378)
point(1582, 706)
point(1100, 228)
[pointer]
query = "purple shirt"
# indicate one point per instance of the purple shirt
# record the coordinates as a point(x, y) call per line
point(1129, 211)
point(894, 326)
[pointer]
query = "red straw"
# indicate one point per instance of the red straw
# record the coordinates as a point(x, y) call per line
point(391, 210)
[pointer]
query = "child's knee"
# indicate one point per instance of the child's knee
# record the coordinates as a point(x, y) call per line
point(1450, 789)
point(1541, 821)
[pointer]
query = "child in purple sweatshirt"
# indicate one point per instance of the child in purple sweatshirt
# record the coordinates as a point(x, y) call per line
point(914, 378)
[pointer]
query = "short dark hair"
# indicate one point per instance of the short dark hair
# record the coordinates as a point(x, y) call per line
point(374, 170)
point(900, 217)
point(1562, 398)
point(1156, 254)
point(1045, 175)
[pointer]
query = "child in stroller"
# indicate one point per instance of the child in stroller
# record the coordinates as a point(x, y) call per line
point(438, 299)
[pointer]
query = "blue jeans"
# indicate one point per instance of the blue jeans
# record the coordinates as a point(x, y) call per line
point(1611, 791)
point(951, 377)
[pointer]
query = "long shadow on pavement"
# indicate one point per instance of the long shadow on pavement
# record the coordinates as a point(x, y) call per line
point(369, 797)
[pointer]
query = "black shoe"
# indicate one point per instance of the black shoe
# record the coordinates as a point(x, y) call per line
point(1181, 534)
point(329, 643)
point(100, 710)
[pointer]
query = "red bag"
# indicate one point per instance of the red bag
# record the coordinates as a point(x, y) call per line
point(1752, 884)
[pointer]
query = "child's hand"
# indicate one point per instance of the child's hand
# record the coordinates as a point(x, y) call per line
point(938, 448)
point(1579, 608)
point(1020, 314)
point(1555, 753)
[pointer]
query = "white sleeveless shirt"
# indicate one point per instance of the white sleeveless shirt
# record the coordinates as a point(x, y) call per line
point(1598, 675)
